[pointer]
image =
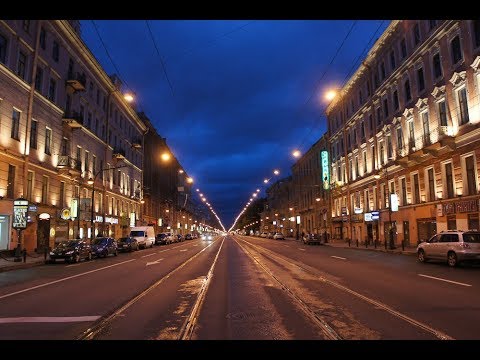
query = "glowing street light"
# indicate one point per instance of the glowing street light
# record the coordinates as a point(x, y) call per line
point(254, 194)
point(181, 171)
point(330, 95)
point(265, 181)
point(189, 180)
point(129, 97)
point(166, 156)
point(276, 172)
point(258, 190)
point(296, 153)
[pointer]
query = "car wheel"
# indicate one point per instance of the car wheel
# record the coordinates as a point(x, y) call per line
point(76, 258)
point(452, 259)
point(115, 253)
point(421, 256)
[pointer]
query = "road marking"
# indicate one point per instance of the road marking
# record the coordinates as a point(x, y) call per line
point(51, 319)
point(450, 281)
point(148, 255)
point(63, 279)
point(339, 257)
point(286, 245)
point(154, 262)
point(76, 264)
point(184, 250)
point(195, 245)
point(301, 249)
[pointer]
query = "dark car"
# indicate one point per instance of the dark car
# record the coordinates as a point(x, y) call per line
point(104, 246)
point(163, 239)
point(71, 251)
point(180, 237)
point(127, 244)
point(188, 237)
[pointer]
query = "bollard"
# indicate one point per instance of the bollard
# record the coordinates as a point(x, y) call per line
point(357, 242)
point(24, 253)
point(348, 242)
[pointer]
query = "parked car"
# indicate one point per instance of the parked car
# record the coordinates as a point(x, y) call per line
point(452, 246)
point(145, 236)
point(264, 234)
point(127, 244)
point(207, 236)
point(180, 237)
point(188, 237)
point(71, 251)
point(163, 239)
point(279, 236)
point(310, 239)
point(104, 246)
point(270, 235)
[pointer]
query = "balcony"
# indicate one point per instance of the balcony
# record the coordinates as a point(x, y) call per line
point(68, 164)
point(73, 119)
point(118, 154)
point(137, 143)
point(77, 81)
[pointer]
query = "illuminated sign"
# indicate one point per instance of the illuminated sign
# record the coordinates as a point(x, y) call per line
point(98, 218)
point(132, 219)
point(298, 219)
point(160, 222)
point(358, 210)
point(367, 217)
point(375, 215)
point(111, 220)
point(44, 216)
point(274, 223)
point(20, 208)
point(65, 214)
point(325, 170)
point(74, 208)
point(394, 202)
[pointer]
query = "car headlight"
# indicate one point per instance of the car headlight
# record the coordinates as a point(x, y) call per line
point(69, 252)
point(52, 253)
point(209, 238)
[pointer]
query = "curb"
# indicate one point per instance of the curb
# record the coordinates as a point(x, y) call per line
point(21, 266)
point(373, 249)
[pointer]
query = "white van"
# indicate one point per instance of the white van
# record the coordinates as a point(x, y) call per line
point(145, 236)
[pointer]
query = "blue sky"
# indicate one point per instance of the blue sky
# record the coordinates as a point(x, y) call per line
point(241, 95)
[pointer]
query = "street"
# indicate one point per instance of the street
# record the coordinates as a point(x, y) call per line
point(239, 287)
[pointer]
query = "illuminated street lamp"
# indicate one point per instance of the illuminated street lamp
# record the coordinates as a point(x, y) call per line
point(165, 156)
point(296, 153)
point(265, 181)
point(276, 172)
point(189, 180)
point(330, 95)
point(129, 97)
point(181, 171)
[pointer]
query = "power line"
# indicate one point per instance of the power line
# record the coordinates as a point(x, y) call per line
point(108, 54)
point(160, 57)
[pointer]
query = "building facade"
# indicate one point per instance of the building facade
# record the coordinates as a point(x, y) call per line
point(68, 137)
point(404, 135)
point(276, 215)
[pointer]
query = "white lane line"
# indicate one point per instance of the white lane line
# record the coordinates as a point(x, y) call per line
point(184, 250)
point(195, 245)
point(63, 279)
point(301, 249)
point(338, 257)
point(76, 264)
point(449, 281)
point(50, 319)
point(148, 255)
point(154, 262)
point(286, 245)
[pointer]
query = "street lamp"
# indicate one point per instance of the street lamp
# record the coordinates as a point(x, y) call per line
point(91, 182)
point(387, 192)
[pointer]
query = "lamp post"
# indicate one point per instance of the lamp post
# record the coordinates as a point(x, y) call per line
point(92, 183)
point(386, 193)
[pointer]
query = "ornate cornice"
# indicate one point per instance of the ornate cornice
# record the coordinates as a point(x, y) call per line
point(408, 112)
point(438, 92)
point(476, 63)
point(422, 103)
point(458, 78)
point(397, 120)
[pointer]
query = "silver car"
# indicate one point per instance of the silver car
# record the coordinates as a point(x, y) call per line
point(453, 246)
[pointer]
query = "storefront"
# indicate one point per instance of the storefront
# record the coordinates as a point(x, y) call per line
point(427, 227)
point(459, 215)
point(4, 232)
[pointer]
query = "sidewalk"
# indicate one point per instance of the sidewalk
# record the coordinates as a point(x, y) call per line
point(7, 262)
point(409, 250)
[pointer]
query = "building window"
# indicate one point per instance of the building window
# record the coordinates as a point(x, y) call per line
point(87, 161)
point(3, 48)
point(89, 120)
point(408, 94)
point(64, 147)
point(376, 82)
point(471, 177)
point(476, 32)
point(15, 124)
point(403, 48)
point(437, 66)
point(389, 147)
point(79, 158)
point(442, 113)
point(360, 97)
point(463, 105)
point(94, 165)
point(449, 180)
point(55, 51)
point(362, 130)
point(385, 107)
point(383, 73)
point(43, 36)
point(431, 185)
point(369, 90)
point(373, 158)
point(52, 90)
point(416, 189)
point(382, 153)
point(357, 173)
point(403, 182)
point(48, 141)
point(30, 186)
point(366, 201)
point(456, 50)
point(396, 103)
point(62, 194)
point(392, 60)
point(451, 222)
point(411, 134)
point(473, 223)
point(22, 64)
point(426, 128)
point(11, 182)
point(33, 134)
point(39, 79)
point(379, 116)
point(416, 34)
point(399, 138)
point(421, 80)
point(370, 122)
point(354, 137)
point(383, 196)
point(364, 162)
point(44, 189)
point(350, 169)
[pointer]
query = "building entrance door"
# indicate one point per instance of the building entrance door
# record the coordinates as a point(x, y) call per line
point(43, 234)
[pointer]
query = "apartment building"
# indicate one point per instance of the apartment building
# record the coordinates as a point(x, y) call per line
point(404, 135)
point(66, 132)
point(311, 184)
point(278, 209)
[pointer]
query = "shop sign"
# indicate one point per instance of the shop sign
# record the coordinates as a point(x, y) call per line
point(74, 208)
point(325, 170)
point(394, 202)
point(65, 214)
point(367, 217)
point(32, 208)
point(132, 219)
point(44, 216)
point(111, 220)
point(460, 207)
point(344, 211)
point(20, 208)
point(375, 215)
point(439, 210)
point(160, 222)
point(298, 219)
point(358, 210)
point(357, 218)
point(98, 218)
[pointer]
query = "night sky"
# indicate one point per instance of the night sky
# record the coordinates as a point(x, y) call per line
point(238, 96)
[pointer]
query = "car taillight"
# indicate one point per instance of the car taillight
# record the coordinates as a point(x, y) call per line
point(464, 245)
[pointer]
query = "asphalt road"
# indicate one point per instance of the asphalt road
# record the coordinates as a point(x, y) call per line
point(239, 287)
